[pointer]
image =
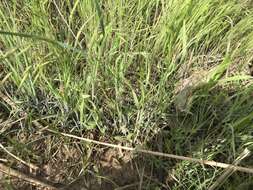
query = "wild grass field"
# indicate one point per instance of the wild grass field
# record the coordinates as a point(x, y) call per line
point(174, 76)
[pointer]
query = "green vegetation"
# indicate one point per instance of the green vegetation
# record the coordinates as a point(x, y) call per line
point(170, 75)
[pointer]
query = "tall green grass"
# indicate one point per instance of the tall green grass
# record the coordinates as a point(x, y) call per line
point(111, 67)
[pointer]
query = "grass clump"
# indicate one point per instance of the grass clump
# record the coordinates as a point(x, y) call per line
point(176, 73)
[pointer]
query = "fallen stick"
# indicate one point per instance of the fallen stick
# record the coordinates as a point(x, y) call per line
point(161, 154)
point(14, 173)
point(29, 165)
point(229, 171)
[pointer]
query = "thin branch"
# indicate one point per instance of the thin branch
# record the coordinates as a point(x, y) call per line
point(161, 154)
point(14, 173)
point(3, 160)
point(31, 166)
point(154, 153)
point(229, 171)
point(127, 186)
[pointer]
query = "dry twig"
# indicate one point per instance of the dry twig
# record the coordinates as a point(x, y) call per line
point(37, 124)
point(229, 171)
point(173, 156)
point(30, 165)
point(14, 173)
